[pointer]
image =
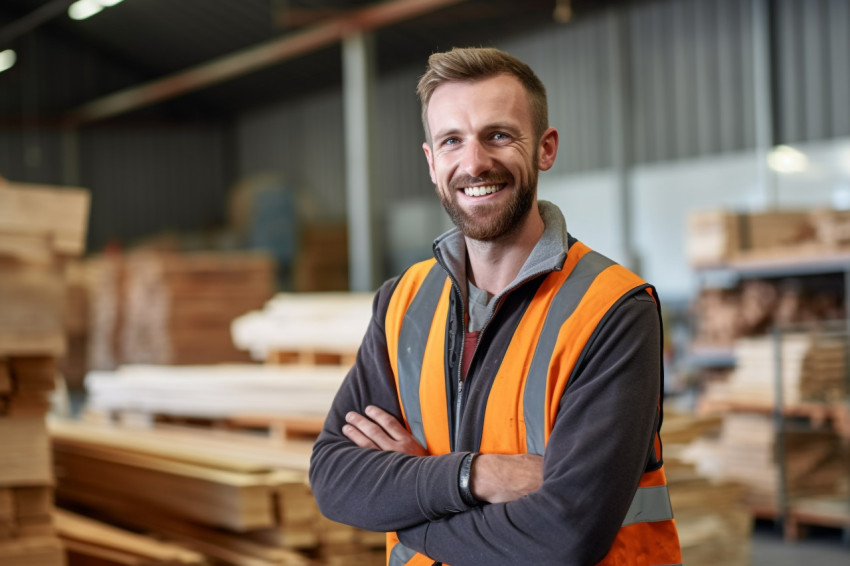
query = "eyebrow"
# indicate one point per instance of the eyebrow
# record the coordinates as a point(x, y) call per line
point(489, 127)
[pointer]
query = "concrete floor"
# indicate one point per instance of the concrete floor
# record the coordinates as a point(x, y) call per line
point(820, 547)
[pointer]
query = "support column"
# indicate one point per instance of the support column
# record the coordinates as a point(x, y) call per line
point(763, 103)
point(364, 253)
point(621, 130)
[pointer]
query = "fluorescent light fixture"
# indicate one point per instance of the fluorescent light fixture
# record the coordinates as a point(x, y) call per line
point(786, 159)
point(7, 59)
point(82, 9)
point(109, 3)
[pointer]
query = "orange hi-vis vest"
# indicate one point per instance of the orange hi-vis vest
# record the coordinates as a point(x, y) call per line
point(524, 398)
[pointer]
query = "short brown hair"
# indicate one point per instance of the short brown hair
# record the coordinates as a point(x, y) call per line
point(474, 63)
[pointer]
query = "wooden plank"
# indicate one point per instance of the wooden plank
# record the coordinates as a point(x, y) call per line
point(34, 501)
point(236, 452)
point(211, 497)
point(59, 214)
point(33, 373)
point(7, 505)
point(32, 249)
point(32, 551)
point(216, 391)
point(75, 528)
point(230, 548)
point(31, 303)
point(24, 452)
point(5, 377)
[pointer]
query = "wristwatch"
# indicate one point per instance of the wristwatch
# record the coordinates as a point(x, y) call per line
point(463, 480)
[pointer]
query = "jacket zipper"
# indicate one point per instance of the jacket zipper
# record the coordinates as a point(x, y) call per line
point(460, 389)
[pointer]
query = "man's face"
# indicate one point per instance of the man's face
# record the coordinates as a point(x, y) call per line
point(483, 154)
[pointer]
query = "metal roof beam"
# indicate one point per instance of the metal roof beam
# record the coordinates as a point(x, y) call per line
point(254, 58)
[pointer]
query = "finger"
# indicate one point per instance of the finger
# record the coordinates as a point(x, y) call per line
point(370, 429)
point(388, 423)
point(354, 435)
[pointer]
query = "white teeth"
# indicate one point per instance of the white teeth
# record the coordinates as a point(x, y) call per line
point(481, 191)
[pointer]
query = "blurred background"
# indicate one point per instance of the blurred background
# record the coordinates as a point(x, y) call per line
point(198, 197)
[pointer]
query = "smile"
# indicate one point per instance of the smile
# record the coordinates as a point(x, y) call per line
point(481, 191)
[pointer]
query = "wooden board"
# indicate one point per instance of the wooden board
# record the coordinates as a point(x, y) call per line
point(59, 215)
point(74, 528)
point(315, 323)
point(216, 391)
point(31, 312)
point(24, 452)
point(32, 551)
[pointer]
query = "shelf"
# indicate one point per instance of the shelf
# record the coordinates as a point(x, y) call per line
point(817, 412)
point(710, 357)
point(803, 262)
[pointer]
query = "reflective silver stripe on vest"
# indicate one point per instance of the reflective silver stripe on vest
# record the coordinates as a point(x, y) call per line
point(649, 505)
point(412, 339)
point(563, 305)
point(401, 555)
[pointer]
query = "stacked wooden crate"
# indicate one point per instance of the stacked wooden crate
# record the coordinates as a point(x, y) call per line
point(40, 228)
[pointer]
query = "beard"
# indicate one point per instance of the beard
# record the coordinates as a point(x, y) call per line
point(488, 222)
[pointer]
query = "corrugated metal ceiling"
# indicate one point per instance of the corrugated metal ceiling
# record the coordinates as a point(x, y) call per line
point(151, 39)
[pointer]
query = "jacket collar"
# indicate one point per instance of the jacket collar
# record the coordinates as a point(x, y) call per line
point(548, 254)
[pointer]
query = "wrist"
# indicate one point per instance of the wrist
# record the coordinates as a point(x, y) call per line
point(464, 481)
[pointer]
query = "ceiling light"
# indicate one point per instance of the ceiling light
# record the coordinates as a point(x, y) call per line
point(109, 3)
point(786, 159)
point(7, 59)
point(82, 9)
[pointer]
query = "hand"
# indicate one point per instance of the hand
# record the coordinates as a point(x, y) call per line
point(498, 478)
point(380, 430)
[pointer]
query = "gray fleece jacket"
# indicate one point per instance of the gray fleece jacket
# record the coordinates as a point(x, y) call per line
point(599, 447)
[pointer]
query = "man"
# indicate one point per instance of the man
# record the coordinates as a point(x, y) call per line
point(505, 404)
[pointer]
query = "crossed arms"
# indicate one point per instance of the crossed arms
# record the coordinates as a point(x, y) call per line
point(495, 478)
point(565, 508)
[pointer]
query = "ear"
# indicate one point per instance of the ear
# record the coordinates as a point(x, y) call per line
point(548, 149)
point(430, 158)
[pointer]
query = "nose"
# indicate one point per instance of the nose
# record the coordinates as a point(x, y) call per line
point(476, 159)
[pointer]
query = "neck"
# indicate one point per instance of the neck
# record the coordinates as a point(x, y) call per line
point(493, 265)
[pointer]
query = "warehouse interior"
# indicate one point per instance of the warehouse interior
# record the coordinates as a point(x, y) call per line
point(198, 200)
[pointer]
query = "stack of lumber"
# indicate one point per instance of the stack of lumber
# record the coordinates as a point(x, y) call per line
point(746, 452)
point(173, 308)
point(321, 263)
point(74, 364)
point(755, 306)
point(88, 541)
point(234, 497)
point(812, 368)
point(715, 237)
point(40, 229)
point(104, 280)
point(217, 392)
point(305, 328)
point(713, 522)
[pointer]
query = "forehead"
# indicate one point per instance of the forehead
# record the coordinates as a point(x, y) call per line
point(457, 104)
